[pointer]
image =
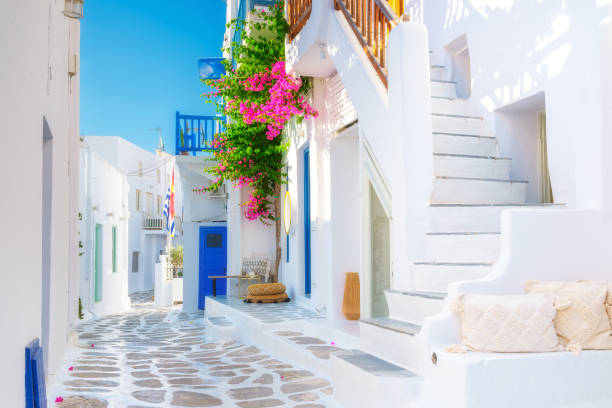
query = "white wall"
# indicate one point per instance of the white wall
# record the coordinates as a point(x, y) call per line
point(125, 156)
point(103, 201)
point(36, 40)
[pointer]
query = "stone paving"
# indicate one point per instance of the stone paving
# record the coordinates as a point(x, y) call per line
point(159, 357)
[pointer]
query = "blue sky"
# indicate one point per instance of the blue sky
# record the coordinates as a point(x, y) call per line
point(139, 65)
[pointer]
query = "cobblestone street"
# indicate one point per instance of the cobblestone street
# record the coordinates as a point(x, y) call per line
point(159, 357)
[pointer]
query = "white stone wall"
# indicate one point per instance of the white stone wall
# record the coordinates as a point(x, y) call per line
point(37, 42)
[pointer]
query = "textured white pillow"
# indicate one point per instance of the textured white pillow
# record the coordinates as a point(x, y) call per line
point(585, 324)
point(508, 324)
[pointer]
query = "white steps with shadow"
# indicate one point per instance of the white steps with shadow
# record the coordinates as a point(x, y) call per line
point(436, 276)
point(470, 190)
point(222, 329)
point(471, 166)
point(362, 380)
point(462, 246)
point(458, 143)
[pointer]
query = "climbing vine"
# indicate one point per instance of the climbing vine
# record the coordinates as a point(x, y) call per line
point(258, 97)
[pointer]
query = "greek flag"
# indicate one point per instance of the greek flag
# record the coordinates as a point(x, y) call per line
point(167, 208)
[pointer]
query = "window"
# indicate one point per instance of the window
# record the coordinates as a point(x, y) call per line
point(149, 207)
point(159, 205)
point(135, 261)
point(138, 200)
point(114, 248)
point(214, 241)
point(158, 173)
point(139, 169)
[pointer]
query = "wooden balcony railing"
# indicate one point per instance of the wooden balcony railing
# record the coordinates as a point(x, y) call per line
point(298, 12)
point(371, 21)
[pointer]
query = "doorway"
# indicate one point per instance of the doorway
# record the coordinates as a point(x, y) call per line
point(213, 262)
point(98, 256)
point(380, 256)
point(307, 243)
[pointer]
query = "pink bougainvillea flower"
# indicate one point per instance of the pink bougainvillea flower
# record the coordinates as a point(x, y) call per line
point(59, 399)
point(71, 368)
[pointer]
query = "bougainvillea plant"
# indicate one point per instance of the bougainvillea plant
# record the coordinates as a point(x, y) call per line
point(258, 97)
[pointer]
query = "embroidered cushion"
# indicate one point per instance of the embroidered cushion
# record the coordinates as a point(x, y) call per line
point(507, 324)
point(584, 323)
point(266, 289)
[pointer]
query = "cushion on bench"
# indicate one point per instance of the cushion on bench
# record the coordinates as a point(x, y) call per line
point(260, 289)
point(278, 298)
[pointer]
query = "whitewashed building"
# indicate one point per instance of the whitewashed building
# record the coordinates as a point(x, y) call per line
point(149, 175)
point(103, 211)
point(461, 148)
point(39, 134)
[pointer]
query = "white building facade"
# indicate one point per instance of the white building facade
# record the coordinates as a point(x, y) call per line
point(39, 78)
point(469, 158)
point(149, 176)
point(103, 210)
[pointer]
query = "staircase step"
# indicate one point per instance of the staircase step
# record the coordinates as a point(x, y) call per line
point(380, 383)
point(222, 329)
point(438, 72)
point(451, 106)
point(432, 276)
point(465, 144)
point(443, 89)
point(413, 306)
point(392, 340)
point(471, 217)
point(459, 125)
point(462, 246)
point(458, 165)
point(477, 190)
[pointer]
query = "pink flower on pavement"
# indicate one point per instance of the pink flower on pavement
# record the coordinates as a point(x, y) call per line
point(59, 399)
point(92, 345)
point(71, 368)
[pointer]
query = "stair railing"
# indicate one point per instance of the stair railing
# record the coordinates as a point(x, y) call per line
point(298, 12)
point(371, 21)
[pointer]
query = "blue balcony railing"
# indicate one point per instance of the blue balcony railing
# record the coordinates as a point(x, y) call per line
point(195, 134)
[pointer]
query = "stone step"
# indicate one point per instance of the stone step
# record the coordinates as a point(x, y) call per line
point(362, 380)
point(458, 124)
point(451, 143)
point(471, 217)
point(462, 190)
point(458, 165)
point(222, 329)
point(451, 106)
point(443, 89)
point(438, 72)
point(478, 247)
point(433, 276)
point(413, 306)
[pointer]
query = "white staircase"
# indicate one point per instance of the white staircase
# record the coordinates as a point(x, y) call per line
point(471, 187)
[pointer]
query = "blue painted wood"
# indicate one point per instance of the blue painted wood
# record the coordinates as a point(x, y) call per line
point(35, 390)
point(307, 269)
point(213, 262)
point(195, 134)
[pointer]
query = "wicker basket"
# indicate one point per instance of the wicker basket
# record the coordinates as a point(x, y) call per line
point(351, 304)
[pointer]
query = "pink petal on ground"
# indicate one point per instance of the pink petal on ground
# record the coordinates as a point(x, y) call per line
point(70, 368)
point(92, 345)
point(59, 399)
point(333, 343)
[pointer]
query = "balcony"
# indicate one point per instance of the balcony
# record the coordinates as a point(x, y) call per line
point(153, 222)
point(195, 134)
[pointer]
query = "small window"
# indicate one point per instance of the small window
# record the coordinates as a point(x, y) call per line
point(159, 205)
point(214, 241)
point(158, 173)
point(135, 261)
point(149, 207)
point(114, 248)
point(138, 200)
point(139, 169)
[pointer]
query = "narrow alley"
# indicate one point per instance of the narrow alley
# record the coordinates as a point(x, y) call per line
point(161, 357)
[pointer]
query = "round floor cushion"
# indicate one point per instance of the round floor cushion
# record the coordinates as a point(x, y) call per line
point(261, 289)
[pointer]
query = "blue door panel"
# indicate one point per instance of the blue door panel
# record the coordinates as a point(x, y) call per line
point(213, 261)
point(307, 271)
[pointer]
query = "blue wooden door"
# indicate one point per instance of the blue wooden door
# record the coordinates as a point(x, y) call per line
point(307, 276)
point(213, 261)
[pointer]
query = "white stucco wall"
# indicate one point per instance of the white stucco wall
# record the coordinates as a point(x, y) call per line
point(36, 41)
point(103, 201)
point(126, 156)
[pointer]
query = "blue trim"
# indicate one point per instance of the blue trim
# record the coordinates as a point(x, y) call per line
point(35, 390)
point(212, 262)
point(307, 248)
point(195, 133)
point(287, 248)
